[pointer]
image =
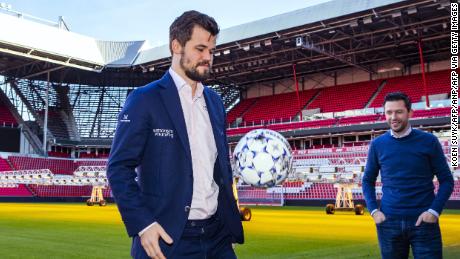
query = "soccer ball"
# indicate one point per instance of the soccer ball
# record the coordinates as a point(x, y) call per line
point(263, 158)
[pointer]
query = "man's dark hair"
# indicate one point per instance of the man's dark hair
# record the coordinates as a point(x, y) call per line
point(182, 27)
point(398, 96)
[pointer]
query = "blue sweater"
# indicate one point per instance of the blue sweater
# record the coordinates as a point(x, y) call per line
point(407, 166)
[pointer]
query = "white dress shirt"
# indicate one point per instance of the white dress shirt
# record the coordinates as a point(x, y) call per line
point(202, 147)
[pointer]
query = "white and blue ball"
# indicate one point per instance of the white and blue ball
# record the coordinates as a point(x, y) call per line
point(263, 158)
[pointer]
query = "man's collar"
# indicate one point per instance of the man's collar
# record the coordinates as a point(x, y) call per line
point(180, 83)
point(402, 134)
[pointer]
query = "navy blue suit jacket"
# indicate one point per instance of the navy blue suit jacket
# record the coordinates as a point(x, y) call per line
point(151, 143)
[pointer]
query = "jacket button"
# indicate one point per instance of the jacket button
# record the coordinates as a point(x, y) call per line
point(187, 208)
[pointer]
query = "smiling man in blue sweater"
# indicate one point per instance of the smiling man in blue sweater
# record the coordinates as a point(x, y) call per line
point(408, 159)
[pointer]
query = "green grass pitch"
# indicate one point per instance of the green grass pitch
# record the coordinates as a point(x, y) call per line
point(63, 230)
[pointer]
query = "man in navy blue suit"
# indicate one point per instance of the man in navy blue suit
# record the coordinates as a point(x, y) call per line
point(169, 167)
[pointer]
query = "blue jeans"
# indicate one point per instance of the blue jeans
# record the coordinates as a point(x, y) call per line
point(205, 239)
point(397, 234)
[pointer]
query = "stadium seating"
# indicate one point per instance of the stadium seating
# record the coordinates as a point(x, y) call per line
point(93, 155)
point(65, 191)
point(286, 126)
point(57, 166)
point(344, 121)
point(456, 193)
point(91, 163)
point(315, 191)
point(61, 191)
point(356, 143)
point(284, 106)
point(435, 112)
point(359, 119)
point(4, 166)
point(20, 191)
point(258, 196)
point(58, 154)
point(239, 109)
point(107, 192)
point(277, 107)
point(292, 184)
point(345, 97)
point(437, 83)
point(321, 191)
point(275, 112)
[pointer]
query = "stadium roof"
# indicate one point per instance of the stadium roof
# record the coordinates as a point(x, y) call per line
point(41, 41)
point(279, 22)
point(34, 40)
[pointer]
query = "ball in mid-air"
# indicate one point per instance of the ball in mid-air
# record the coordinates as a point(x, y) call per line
point(263, 158)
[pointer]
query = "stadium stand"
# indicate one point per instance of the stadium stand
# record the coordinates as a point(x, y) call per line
point(280, 107)
point(290, 190)
point(286, 126)
point(456, 193)
point(345, 97)
point(258, 196)
point(19, 191)
point(239, 109)
point(4, 166)
point(320, 191)
point(61, 191)
point(91, 163)
point(277, 112)
point(359, 119)
point(65, 191)
point(58, 154)
point(57, 166)
point(435, 112)
point(93, 155)
point(437, 83)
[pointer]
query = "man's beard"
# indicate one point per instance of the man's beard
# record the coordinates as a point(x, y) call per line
point(193, 73)
point(401, 128)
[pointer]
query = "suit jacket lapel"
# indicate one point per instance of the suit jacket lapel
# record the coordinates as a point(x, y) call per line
point(216, 128)
point(171, 101)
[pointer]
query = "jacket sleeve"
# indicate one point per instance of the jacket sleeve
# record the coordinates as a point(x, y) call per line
point(370, 176)
point(127, 150)
point(444, 175)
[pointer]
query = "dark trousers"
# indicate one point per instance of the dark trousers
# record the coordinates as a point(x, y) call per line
point(204, 239)
point(201, 239)
point(398, 234)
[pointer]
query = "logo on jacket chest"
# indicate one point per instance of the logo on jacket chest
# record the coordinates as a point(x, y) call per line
point(125, 118)
point(167, 133)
